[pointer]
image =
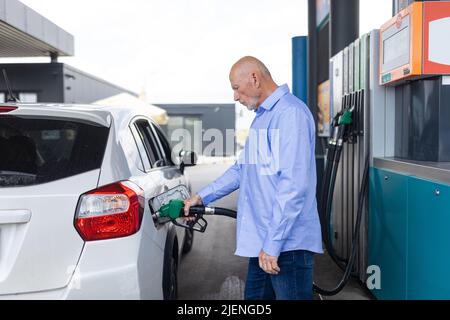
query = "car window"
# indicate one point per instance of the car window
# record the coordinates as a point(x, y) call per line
point(131, 150)
point(141, 148)
point(150, 142)
point(37, 150)
point(167, 148)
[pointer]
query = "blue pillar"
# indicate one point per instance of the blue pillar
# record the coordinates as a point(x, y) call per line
point(300, 67)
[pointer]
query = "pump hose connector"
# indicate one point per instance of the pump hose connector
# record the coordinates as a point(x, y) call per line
point(212, 211)
point(174, 210)
point(198, 212)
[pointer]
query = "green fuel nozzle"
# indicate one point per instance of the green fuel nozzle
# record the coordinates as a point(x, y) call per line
point(347, 118)
point(175, 209)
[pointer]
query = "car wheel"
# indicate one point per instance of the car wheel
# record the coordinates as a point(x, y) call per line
point(188, 241)
point(173, 285)
point(171, 279)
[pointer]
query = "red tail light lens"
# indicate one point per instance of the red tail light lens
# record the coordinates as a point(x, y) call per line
point(109, 212)
point(5, 109)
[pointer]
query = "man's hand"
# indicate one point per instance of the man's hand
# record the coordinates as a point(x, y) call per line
point(268, 263)
point(192, 202)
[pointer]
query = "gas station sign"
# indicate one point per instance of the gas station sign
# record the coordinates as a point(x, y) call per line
point(415, 43)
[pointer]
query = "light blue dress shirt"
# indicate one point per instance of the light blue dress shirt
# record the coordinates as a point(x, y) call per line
point(276, 175)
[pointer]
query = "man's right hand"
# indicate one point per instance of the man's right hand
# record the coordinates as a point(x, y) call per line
point(192, 202)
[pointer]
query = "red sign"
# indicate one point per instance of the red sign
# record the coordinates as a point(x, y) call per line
point(436, 34)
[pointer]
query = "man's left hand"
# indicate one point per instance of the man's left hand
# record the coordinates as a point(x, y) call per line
point(268, 263)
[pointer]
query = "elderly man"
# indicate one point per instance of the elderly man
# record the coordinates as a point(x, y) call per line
point(278, 225)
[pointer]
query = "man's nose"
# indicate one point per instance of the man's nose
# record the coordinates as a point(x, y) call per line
point(236, 96)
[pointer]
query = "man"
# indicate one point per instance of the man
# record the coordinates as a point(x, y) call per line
point(278, 225)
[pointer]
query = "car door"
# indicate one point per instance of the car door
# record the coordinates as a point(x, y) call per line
point(163, 180)
point(171, 177)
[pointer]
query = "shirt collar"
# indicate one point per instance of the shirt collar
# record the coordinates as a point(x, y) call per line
point(272, 100)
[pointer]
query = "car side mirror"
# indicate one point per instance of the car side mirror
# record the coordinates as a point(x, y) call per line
point(187, 159)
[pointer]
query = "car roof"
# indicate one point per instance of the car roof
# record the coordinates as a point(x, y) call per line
point(102, 115)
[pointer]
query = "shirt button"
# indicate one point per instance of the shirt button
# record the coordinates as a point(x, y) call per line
point(246, 198)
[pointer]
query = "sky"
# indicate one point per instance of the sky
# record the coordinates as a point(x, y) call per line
point(181, 51)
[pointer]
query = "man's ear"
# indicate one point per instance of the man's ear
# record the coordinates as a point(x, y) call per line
point(255, 80)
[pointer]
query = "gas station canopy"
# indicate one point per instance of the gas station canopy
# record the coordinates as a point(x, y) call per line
point(25, 33)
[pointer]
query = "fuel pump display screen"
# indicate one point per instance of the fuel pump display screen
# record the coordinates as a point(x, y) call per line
point(396, 48)
point(396, 44)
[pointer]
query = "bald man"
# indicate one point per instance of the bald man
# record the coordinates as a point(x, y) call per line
point(278, 226)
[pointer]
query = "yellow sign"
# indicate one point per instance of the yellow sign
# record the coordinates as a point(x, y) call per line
point(323, 103)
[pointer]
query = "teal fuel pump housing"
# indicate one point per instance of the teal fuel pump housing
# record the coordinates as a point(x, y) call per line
point(406, 133)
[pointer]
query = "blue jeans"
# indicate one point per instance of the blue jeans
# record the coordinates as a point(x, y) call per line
point(294, 282)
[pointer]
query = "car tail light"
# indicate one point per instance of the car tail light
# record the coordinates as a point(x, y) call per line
point(109, 212)
point(5, 109)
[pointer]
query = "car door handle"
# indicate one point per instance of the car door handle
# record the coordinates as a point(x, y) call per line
point(14, 216)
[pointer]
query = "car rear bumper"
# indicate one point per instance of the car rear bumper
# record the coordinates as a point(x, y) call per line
point(119, 269)
point(104, 285)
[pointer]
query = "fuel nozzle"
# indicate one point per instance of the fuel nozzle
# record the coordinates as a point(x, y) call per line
point(175, 209)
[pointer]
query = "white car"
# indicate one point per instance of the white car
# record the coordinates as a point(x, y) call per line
point(78, 187)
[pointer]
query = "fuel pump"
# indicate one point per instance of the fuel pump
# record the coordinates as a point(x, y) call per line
point(408, 209)
point(347, 127)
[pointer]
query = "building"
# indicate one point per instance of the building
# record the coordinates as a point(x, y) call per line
point(55, 82)
point(207, 129)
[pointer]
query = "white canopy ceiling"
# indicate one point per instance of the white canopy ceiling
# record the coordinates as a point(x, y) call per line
point(25, 33)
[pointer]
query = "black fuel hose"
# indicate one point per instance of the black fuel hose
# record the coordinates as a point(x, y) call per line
point(328, 185)
point(329, 200)
point(216, 211)
point(325, 186)
point(355, 237)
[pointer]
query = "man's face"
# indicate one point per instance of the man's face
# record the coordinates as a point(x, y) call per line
point(244, 89)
